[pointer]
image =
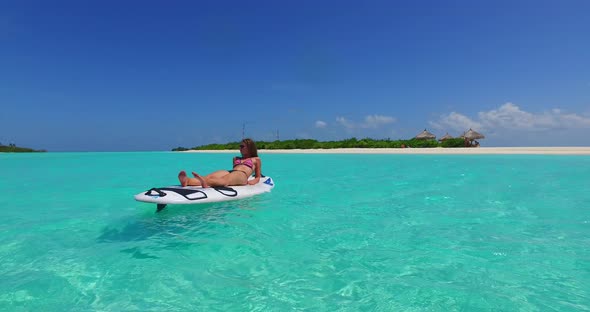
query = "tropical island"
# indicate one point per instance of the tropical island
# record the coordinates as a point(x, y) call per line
point(315, 144)
point(423, 140)
point(12, 148)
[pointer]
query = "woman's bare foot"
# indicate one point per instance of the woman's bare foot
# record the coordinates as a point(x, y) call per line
point(198, 177)
point(182, 178)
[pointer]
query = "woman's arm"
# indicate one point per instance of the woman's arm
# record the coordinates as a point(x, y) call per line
point(257, 170)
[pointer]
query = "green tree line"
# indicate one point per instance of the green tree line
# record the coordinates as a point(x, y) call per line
point(12, 148)
point(348, 143)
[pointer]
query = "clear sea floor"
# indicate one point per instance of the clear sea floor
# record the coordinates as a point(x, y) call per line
point(337, 233)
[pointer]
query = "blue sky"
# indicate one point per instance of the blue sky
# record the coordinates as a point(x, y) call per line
point(153, 75)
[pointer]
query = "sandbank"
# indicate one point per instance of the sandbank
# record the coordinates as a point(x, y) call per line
point(428, 151)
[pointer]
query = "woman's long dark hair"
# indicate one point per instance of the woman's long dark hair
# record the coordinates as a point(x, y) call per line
point(252, 150)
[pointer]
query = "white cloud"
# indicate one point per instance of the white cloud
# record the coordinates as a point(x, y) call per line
point(455, 122)
point(320, 124)
point(371, 121)
point(510, 117)
point(345, 122)
point(374, 121)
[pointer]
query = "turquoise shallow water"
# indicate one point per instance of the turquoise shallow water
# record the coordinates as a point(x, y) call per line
point(338, 233)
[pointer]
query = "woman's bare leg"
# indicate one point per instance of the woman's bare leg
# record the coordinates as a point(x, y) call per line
point(234, 178)
point(184, 180)
point(202, 181)
point(217, 174)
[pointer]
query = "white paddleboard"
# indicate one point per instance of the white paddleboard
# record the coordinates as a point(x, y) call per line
point(189, 195)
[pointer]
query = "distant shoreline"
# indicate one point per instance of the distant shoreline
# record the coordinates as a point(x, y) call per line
point(425, 151)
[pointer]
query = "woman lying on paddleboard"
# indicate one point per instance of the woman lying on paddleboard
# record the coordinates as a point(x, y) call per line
point(243, 167)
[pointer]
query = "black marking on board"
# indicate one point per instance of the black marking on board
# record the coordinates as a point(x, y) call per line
point(186, 192)
point(227, 191)
point(157, 190)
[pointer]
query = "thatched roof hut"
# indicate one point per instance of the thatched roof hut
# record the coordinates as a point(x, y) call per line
point(445, 137)
point(425, 135)
point(473, 135)
point(469, 136)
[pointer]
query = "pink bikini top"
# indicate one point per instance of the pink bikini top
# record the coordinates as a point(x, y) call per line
point(246, 162)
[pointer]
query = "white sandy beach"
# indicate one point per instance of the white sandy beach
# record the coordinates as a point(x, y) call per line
point(429, 151)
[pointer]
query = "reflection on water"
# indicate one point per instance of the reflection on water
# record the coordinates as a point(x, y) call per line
point(177, 221)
